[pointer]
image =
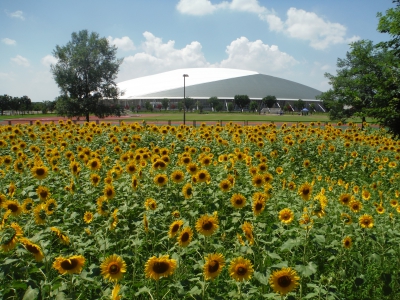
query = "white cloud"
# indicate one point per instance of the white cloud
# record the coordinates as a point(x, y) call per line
point(8, 41)
point(308, 26)
point(16, 14)
point(4, 75)
point(257, 56)
point(48, 60)
point(161, 57)
point(124, 43)
point(205, 7)
point(20, 60)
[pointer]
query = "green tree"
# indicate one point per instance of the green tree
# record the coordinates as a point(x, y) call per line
point(85, 73)
point(218, 106)
point(148, 106)
point(165, 103)
point(5, 103)
point(213, 101)
point(269, 101)
point(231, 107)
point(253, 106)
point(189, 103)
point(241, 101)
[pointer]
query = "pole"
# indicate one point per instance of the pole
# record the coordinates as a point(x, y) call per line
point(184, 97)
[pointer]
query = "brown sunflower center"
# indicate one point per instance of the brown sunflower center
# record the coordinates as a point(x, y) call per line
point(286, 216)
point(69, 264)
point(185, 237)
point(284, 281)
point(259, 206)
point(207, 225)
point(258, 181)
point(213, 266)
point(241, 270)
point(160, 267)
point(175, 228)
point(239, 201)
point(32, 249)
point(202, 176)
point(189, 191)
point(306, 191)
point(178, 176)
point(114, 269)
point(160, 180)
point(13, 207)
point(347, 243)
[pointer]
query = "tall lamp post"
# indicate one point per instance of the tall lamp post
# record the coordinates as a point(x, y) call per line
point(184, 96)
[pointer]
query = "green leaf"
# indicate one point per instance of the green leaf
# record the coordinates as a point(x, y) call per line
point(274, 255)
point(30, 294)
point(261, 278)
point(289, 244)
point(142, 290)
point(308, 270)
point(320, 239)
point(195, 291)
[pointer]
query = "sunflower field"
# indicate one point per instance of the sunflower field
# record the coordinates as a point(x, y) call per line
point(137, 211)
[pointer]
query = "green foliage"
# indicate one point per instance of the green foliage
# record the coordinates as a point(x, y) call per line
point(231, 107)
point(148, 106)
point(85, 73)
point(269, 101)
point(253, 106)
point(165, 103)
point(241, 101)
point(5, 101)
point(189, 103)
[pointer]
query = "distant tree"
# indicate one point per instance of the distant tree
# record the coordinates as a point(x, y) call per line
point(213, 101)
point(269, 101)
point(287, 108)
point(165, 103)
point(231, 107)
point(180, 105)
point(241, 101)
point(159, 106)
point(189, 103)
point(5, 101)
point(201, 108)
point(253, 106)
point(148, 106)
point(218, 106)
point(25, 104)
point(85, 73)
point(312, 108)
point(300, 104)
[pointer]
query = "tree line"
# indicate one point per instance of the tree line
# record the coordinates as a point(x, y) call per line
point(367, 79)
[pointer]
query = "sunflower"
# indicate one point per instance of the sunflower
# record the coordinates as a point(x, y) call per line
point(192, 168)
point(39, 213)
point(32, 248)
point(174, 228)
point(50, 206)
point(75, 168)
point(14, 206)
point(366, 195)
point(10, 236)
point(187, 190)
point(88, 217)
point(207, 224)
point(346, 218)
point(115, 219)
point(380, 209)
point(257, 180)
point(176, 214)
point(12, 189)
point(177, 176)
point(157, 267)
point(115, 292)
point(43, 192)
point(113, 267)
point(64, 239)
point(286, 216)
point(284, 281)
point(347, 242)
point(213, 266)
point(95, 179)
point(69, 265)
point(150, 203)
point(109, 191)
point(279, 170)
point(394, 203)
point(238, 200)
point(355, 206)
point(40, 172)
point(291, 186)
point(258, 205)
point(145, 223)
point(185, 237)
point(240, 269)
point(225, 185)
point(203, 176)
point(366, 221)
point(248, 232)
point(345, 199)
point(305, 191)
point(27, 205)
point(160, 179)
point(135, 182)
point(102, 206)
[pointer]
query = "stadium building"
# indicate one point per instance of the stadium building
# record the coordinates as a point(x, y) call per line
point(203, 83)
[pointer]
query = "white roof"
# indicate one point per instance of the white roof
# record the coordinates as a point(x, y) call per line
point(174, 79)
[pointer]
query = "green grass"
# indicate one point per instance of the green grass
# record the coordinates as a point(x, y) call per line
point(27, 116)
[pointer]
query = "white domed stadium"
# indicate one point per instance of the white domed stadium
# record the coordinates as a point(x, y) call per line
point(203, 83)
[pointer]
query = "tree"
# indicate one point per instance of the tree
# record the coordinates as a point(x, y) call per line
point(165, 103)
point(312, 108)
point(148, 106)
point(85, 73)
point(189, 102)
point(213, 101)
point(269, 101)
point(5, 103)
point(242, 101)
point(253, 106)
point(218, 106)
point(25, 104)
point(231, 106)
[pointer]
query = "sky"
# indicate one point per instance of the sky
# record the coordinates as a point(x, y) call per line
point(298, 40)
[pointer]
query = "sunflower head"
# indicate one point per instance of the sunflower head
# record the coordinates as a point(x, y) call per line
point(43, 193)
point(113, 268)
point(305, 191)
point(241, 269)
point(284, 281)
point(158, 267)
point(88, 217)
point(160, 180)
point(185, 237)
point(9, 236)
point(238, 201)
point(14, 206)
point(347, 242)
point(174, 228)
point(213, 266)
point(366, 221)
point(207, 224)
point(33, 248)
point(286, 216)
point(187, 190)
point(69, 265)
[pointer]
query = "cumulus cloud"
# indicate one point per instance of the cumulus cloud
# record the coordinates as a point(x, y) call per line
point(257, 56)
point(124, 43)
point(9, 42)
point(16, 14)
point(309, 27)
point(48, 60)
point(20, 60)
point(205, 7)
point(157, 56)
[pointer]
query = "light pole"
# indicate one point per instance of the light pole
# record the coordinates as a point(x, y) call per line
point(184, 96)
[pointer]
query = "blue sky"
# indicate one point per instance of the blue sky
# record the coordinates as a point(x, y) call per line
point(297, 40)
